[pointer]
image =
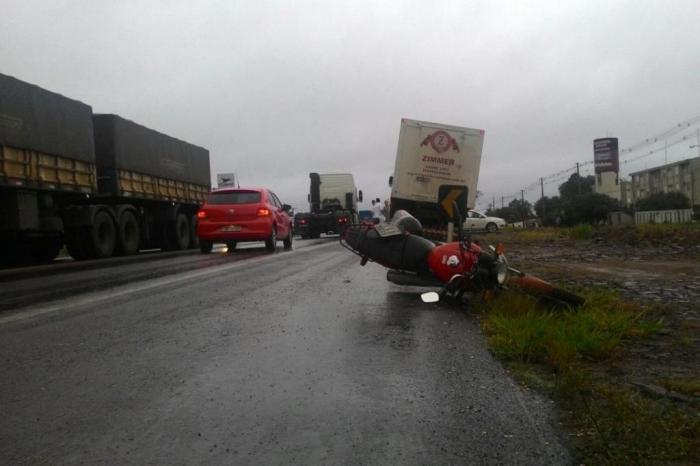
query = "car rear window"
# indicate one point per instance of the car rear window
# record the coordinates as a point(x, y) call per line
point(235, 197)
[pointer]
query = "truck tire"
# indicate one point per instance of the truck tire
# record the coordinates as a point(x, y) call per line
point(271, 242)
point(194, 239)
point(128, 236)
point(177, 233)
point(103, 236)
point(76, 243)
point(205, 246)
point(288, 240)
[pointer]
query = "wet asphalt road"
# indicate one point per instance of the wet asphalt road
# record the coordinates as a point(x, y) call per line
point(299, 357)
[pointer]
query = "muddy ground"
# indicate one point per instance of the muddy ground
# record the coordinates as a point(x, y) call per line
point(668, 274)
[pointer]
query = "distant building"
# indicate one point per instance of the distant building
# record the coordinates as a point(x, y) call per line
point(683, 177)
point(610, 184)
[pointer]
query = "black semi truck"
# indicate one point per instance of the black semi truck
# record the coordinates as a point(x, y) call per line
point(99, 184)
point(333, 200)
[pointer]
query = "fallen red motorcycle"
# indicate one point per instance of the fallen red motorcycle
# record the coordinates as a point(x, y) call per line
point(457, 267)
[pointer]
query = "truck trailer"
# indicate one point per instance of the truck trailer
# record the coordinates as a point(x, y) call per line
point(99, 184)
point(431, 156)
point(333, 199)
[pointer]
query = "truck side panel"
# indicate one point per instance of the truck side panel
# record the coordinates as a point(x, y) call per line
point(138, 185)
point(38, 120)
point(124, 145)
point(31, 169)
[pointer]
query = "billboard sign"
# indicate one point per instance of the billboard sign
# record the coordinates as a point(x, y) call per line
point(606, 155)
point(226, 180)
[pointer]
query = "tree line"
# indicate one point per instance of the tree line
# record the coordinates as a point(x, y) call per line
point(578, 203)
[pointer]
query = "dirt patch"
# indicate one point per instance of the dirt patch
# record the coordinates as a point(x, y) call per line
point(667, 275)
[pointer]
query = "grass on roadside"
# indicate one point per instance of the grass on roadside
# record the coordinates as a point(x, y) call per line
point(557, 351)
point(652, 234)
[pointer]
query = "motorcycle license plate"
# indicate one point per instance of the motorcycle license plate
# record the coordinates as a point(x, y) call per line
point(386, 230)
point(231, 228)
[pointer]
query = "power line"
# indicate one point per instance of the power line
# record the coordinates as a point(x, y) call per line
point(663, 135)
point(565, 174)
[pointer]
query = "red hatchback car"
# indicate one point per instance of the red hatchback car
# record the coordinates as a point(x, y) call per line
point(232, 215)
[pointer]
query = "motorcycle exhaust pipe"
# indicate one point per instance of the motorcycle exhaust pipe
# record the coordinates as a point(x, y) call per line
point(409, 279)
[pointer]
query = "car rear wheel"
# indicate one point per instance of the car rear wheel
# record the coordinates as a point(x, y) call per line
point(271, 242)
point(491, 227)
point(288, 240)
point(205, 246)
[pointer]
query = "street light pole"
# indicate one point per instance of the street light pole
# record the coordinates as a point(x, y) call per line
point(698, 144)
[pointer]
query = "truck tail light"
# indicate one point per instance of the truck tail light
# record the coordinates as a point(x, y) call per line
point(342, 220)
point(202, 214)
point(262, 212)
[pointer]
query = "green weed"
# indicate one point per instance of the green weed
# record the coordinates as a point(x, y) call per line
point(521, 330)
point(613, 425)
point(581, 232)
point(619, 426)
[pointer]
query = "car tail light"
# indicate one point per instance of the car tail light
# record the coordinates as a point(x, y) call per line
point(202, 214)
point(262, 212)
point(342, 220)
point(303, 221)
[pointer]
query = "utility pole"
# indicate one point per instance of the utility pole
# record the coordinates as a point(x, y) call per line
point(578, 178)
point(522, 205)
point(493, 203)
point(542, 187)
point(502, 205)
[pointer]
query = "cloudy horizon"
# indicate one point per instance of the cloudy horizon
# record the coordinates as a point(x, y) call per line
point(276, 90)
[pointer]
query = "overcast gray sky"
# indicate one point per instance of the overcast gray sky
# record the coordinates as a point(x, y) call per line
point(278, 89)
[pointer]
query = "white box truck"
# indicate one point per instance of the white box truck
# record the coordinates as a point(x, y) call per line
point(431, 155)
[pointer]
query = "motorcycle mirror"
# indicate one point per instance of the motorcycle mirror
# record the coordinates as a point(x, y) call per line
point(430, 297)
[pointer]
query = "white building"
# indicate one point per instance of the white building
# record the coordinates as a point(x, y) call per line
point(683, 177)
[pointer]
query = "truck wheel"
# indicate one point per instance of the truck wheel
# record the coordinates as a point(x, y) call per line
point(205, 246)
point(76, 243)
point(231, 246)
point(491, 227)
point(177, 233)
point(271, 242)
point(128, 234)
point(194, 239)
point(102, 236)
point(288, 240)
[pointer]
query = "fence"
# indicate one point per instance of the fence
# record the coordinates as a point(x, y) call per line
point(664, 216)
